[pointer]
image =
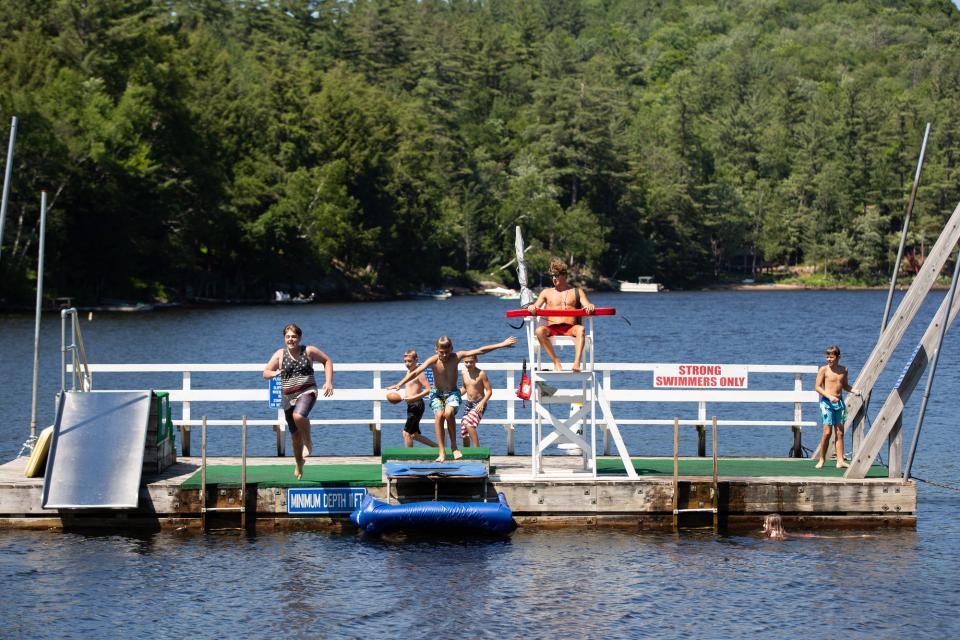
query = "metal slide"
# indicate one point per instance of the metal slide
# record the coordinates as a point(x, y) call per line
point(96, 456)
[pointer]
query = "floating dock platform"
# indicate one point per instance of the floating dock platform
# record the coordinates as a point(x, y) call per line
point(747, 490)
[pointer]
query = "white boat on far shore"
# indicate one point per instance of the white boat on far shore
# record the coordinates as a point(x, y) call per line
point(644, 284)
point(500, 291)
point(433, 294)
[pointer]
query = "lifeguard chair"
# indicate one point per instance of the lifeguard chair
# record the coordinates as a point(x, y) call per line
point(578, 390)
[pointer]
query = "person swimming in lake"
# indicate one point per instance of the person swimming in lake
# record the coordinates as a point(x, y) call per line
point(294, 365)
point(773, 529)
point(445, 394)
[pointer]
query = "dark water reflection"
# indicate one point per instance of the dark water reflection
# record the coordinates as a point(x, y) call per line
point(536, 584)
point(570, 583)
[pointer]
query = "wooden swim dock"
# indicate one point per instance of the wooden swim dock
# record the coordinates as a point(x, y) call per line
point(748, 490)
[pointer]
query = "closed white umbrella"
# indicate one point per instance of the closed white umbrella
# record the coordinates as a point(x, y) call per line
point(526, 296)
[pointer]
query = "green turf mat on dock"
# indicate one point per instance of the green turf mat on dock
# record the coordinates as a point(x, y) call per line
point(431, 453)
point(281, 475)
point(787, 467)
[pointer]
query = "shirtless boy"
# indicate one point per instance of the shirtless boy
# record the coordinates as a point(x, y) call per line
point(557, 298)
point(477, 393)
point(831, 383)
point(414, 392)
point(445, 395)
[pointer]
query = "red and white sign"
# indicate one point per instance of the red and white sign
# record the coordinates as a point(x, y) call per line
point(700, 376)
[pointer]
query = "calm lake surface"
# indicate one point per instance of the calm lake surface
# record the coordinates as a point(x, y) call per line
point(570, 583)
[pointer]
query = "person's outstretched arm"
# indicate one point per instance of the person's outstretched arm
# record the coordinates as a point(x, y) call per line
point(413, 374)
point(509, 342)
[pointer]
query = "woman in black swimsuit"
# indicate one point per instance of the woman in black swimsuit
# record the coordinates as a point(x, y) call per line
point(294, 365)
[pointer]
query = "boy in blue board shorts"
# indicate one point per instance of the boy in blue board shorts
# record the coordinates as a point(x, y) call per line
point(445, 393)
point(831, 383)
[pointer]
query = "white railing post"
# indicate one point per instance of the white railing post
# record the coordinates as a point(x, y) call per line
point(185, 416)
point(376, 427)
point(281, 429)
point(702, 429)
point(511, 411)
point(607, 385)
point(797, 450)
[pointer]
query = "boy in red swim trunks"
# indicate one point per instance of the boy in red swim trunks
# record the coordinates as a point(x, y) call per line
point(557, 298)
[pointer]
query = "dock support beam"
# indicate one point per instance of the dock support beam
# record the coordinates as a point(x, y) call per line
point(894, 332)
point(891, 413)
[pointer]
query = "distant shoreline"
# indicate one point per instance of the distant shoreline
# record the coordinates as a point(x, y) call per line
point(138, 308)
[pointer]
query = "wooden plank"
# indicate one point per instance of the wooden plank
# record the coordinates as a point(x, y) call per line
point(892, 409)
point(777, 497)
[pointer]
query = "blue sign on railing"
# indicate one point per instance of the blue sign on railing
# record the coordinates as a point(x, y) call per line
point(276, 394)
point(325, 500)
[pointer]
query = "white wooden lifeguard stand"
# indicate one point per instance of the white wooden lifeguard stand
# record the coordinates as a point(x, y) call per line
point(578, 390)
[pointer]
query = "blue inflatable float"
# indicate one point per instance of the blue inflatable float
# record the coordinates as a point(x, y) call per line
point(376, 516)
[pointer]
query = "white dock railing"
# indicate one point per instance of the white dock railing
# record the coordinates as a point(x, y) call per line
point(382, 375)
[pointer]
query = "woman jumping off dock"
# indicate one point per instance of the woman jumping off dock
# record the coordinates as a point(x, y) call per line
point(294, 365)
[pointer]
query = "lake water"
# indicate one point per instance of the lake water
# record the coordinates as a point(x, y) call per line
point(571, 583)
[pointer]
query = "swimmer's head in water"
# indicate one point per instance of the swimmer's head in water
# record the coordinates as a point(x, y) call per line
point(773, 526)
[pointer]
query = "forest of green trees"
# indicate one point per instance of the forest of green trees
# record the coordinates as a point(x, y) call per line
point(225, 148)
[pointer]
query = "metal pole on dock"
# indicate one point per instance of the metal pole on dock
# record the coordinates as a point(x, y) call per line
point(903, 232)
point(36, 326)
point(933, 367)
point(6, 178)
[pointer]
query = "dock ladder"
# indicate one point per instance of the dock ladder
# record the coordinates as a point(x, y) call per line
point(706, 504)
point(242, 509)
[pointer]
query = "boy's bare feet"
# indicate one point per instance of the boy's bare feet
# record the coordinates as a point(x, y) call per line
point(576, 367)
point(842, 464)
point(307, 443)
point(557, 365)
point(457, 454)
point(819, 465)
point(298, 471)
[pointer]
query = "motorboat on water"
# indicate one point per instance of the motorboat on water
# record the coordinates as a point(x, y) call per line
point(434, 294)
point(644, 284)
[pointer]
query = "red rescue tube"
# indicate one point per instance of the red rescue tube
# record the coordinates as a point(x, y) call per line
point(561, 313)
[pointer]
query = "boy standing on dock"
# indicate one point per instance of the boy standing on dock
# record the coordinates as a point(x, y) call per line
point(414, 392)
point(445, 395)
point(559, 297)
point(831, 383)
point(476, 388)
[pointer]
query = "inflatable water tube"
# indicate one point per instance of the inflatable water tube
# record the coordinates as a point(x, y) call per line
point(377, 516)
point(37, 464)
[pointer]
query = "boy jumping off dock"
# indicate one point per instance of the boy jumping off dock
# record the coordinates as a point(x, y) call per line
point(415, 391)
point(445, 394)
point(477, 393)
point(831, 383)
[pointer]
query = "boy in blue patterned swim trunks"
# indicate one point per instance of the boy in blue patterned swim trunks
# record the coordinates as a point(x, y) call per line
point(445, 394)
point(831, 383)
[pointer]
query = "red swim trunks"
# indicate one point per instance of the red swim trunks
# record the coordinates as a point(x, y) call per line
point(560, 328)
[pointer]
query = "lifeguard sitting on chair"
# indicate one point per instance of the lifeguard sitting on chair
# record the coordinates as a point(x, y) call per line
point(559, 297)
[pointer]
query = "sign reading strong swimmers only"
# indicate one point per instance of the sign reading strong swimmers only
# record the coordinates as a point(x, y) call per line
point(700, 376)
